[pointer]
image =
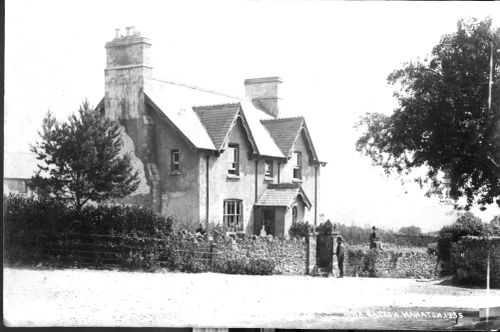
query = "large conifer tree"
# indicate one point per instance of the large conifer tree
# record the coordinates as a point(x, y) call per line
point(81, 159)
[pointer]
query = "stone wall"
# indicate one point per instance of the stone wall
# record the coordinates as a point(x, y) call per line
point(289, 255)
point(390, 263)
point(469, 258)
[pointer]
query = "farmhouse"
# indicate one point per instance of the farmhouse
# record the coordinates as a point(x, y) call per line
point(208, 157)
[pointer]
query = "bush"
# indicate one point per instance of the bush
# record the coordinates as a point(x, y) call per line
point(51, 216)
point(299, 229)
point(465, 225)
point(28, 214)
point(47, 230)
point(122, 221)
point(325, 228)
point(468, 224)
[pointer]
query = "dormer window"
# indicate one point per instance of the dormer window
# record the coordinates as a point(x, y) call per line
point(174, 160)
point(233, 152)
point(268, 169)
point(297, 165)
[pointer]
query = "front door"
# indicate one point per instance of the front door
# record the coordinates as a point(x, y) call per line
point(268, 220)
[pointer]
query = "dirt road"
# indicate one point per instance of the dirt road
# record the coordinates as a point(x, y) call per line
point(112, 298)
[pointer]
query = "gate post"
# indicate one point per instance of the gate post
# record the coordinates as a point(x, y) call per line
point(335, 265)
point(311, 254)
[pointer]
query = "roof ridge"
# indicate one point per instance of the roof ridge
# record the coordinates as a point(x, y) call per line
point(212, 106)
point(280, 119)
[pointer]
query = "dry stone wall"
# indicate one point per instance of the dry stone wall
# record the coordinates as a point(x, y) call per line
point(390, 264)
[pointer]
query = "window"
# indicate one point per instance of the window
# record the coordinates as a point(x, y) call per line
point(297, 165)
point(268, 169)
point(233, 152)
point(174, 160)
point(233, 215)
point(294, 214)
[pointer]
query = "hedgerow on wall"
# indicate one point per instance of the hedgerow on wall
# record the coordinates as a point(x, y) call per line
point(134, 238)
point(128, 236)
point(29, 214)
point(471, 256)
point(465, 225)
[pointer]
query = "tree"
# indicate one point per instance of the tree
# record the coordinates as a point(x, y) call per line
point(410, 230)
point(495, 220)
point(82, 161)
point(444, 127)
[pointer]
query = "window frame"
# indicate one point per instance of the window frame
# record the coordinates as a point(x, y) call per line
point(233, 212)
point(295, 213)
point(269, 174)
point(175, 165)
point(233, 164)
point(297, 167)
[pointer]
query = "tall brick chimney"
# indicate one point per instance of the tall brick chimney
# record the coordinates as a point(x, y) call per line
point(264, 93)
point(128, 70)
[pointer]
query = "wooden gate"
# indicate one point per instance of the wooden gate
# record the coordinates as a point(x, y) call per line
point(324, 252)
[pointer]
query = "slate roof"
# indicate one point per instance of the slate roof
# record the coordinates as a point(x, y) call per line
point(178, 113)
point(284, 131)
point(207, 127)
point(217, 120)
point(19, 165)
point(282, 195)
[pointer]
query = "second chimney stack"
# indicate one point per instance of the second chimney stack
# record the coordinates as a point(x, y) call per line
point(264, 93)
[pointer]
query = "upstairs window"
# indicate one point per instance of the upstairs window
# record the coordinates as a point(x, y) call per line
point(233, 215)
point(174, 160)
point(233, 152)
point(297, 165)
point(268, 169)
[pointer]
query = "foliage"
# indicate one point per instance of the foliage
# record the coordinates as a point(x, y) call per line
point(444, 124)
point(495, 220)
point(50, 215)
point(299, 229)
point(467, 224)
point(470, 260)
point(325, 228)
point(410, 230)
point(23, 213)
point(81, 159)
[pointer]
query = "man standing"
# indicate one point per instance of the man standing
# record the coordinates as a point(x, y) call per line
point(340, 255)
point(373, 238)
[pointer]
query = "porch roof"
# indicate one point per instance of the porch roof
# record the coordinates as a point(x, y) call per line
point(284, 194)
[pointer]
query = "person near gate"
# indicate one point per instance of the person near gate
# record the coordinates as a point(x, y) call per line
point(373, 238)
point(340, 255)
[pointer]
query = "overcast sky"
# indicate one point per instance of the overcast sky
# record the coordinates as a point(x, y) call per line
point(334, 58)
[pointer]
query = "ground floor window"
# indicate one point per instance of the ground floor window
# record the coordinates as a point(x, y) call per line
point(233, 215)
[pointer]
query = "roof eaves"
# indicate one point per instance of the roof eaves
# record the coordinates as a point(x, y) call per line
point(304, 198)
point(244, 121)
point(297, 134)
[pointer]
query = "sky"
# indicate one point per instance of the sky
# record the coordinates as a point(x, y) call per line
point(333, 56)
